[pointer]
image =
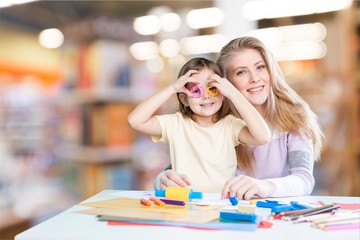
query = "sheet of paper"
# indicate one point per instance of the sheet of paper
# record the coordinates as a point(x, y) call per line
point(190, 217)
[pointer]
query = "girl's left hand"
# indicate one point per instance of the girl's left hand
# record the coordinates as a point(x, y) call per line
point(244, 187)
point(224, 85)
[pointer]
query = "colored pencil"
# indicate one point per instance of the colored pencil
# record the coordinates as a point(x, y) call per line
point(342, 227)
point(309, 212)
point(340, 222)
point(314, 217)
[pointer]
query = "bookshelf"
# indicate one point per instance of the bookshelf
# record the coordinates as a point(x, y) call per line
point(95, 102)
point(102, 146)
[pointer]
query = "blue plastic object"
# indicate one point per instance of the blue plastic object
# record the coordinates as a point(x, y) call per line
point(282, 208)
point(279, 207)
point(233, 201)
point(238, 216)
point(298, 206)
point(268, 204)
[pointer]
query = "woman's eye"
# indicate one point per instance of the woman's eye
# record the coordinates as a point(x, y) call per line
point(260, 67)
point(239, 73)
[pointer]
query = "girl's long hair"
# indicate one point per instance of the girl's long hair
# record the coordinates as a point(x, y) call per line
point(285, 110)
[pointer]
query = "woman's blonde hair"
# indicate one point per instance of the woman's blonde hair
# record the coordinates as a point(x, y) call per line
point(285, 110)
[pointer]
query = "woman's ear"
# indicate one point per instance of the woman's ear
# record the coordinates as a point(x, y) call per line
point(184, 99)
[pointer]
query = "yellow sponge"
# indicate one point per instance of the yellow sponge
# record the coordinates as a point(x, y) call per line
point(246, 208)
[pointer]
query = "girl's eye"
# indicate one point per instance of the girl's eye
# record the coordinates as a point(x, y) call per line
point(195, 91)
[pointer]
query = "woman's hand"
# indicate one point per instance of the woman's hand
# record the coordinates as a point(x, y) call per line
point(173, 179)
point(244, 187)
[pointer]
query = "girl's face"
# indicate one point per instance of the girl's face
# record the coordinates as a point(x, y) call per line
point(207, 105)
point(248, 72)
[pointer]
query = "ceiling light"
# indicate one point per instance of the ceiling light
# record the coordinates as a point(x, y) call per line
point(144, 50)
point(296, 42)
point(8, 3)
point(300, 32)
point(195, 45)
point(205, 17)
point(304, 50)
point(51, 38)
point(260, 9)
point(169, 48)
point(170, 22)
point(147, 25)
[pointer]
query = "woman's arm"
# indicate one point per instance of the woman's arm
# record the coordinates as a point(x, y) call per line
point(299, 181)
point(300, 158)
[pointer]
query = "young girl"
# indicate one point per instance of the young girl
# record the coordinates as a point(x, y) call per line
point(202, 136)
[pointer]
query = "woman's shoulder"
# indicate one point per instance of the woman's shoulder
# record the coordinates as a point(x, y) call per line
point(276, 134)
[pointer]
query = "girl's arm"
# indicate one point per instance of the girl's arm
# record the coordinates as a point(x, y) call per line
point(142, 117)
point(256, 131)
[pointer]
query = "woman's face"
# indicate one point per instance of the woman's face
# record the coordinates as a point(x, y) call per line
point(248, 72)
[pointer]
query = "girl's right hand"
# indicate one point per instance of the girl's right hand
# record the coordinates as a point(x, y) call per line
point(173, 179)
point(180, 85)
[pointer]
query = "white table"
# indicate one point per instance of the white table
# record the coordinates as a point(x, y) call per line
point(74, 226)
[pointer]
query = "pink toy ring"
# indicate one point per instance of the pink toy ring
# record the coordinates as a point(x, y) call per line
point(196, 91)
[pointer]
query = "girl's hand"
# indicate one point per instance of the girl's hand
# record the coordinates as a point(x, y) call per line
point(173, 179)
point(225, 86)
point(180, 85)
point(244, 187)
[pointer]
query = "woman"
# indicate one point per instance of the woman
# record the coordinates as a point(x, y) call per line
point(284, 166)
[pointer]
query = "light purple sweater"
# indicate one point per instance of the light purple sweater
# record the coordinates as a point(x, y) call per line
point(287, 161)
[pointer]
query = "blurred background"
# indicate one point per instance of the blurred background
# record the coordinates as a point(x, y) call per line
point(71, 71)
